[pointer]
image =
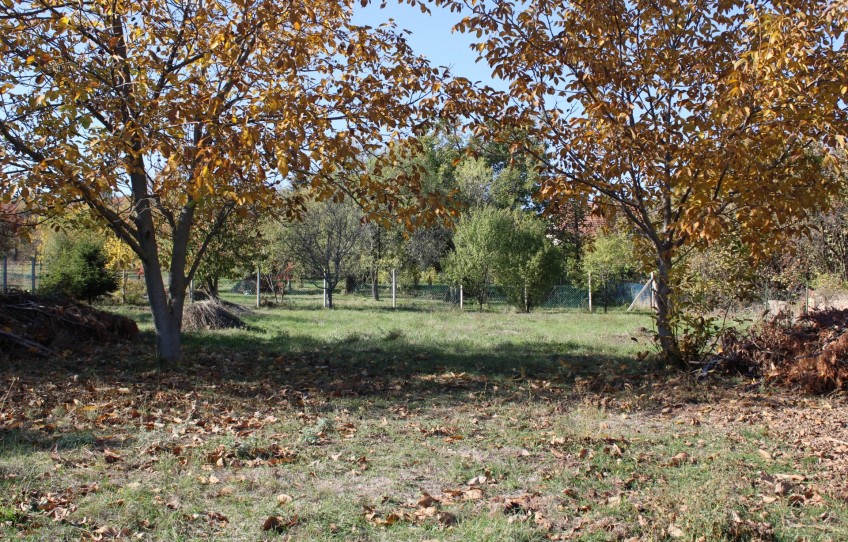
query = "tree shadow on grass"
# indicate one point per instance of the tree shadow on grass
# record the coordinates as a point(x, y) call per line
point(365, 363)
point(16, 441)
point(238, 373)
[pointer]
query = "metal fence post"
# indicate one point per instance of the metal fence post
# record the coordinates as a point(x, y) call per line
point(653, 292)
point(257, 286)
point(394, 289)
point(590, 291)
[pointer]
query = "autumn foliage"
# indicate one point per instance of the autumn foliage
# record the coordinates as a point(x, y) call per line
point(165, 116)
point(691, 119)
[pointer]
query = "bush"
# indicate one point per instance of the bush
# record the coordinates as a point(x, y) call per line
point(509, 248)
point(77, 269)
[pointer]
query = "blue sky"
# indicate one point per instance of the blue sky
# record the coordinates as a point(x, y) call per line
point(431, 37)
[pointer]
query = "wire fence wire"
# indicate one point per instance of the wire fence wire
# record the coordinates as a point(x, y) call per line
point(310, 293)
point(28, 274)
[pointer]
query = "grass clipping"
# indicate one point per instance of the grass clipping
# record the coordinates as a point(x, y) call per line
point(810, 353)
point(213, 314)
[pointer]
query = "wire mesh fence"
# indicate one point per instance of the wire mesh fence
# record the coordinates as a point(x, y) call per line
point(20, 274)
point(28, 274)
point(309, 293)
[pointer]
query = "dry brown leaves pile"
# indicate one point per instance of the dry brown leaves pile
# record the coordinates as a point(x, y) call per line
point(48, 326)
point(810, 353)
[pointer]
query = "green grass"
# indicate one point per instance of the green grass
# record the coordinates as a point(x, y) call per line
point(355, 414)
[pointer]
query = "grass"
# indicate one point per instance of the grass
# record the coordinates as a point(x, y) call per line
point(369, 424)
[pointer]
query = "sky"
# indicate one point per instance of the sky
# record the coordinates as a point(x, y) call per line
point(431, 37)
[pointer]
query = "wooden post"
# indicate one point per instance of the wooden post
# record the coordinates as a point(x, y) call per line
point(460, 297)
point(258, 288)
point(590, 291)
point(394, 288)
point(324, 289)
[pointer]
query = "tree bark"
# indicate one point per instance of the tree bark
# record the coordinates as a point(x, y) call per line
point(375, 287)
point(330, 285)
point(669, 347)
point(167, 315)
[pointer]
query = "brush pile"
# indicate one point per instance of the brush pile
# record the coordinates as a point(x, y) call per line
point(213, 314)
point(47, 326)
point(810, 353)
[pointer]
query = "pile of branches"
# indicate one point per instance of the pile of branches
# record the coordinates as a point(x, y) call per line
point(47, 326)
point(213, 314)
point(809, 353)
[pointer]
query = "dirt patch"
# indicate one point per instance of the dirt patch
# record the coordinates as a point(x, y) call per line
point(48, 325)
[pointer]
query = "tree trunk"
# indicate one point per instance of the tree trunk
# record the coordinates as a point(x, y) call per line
point(669, 347)
point(375, 287)
point(329, 285)
point(167, 315)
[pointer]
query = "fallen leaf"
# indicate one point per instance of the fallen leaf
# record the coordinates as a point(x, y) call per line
point(446, 518)
point(675, 532)
point(111, 457)
point(679, 459)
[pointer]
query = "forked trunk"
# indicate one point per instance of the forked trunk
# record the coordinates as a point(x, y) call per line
point(167, 315)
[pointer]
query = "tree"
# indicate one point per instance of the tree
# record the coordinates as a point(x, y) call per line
point(161, 115)
point(326, 243)
point(76, 267)
point(683, 116)
point(609, 258)
point(233, 249)
point(477, 242)
point(527, 263)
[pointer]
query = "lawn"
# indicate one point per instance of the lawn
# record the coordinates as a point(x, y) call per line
point(372, 424)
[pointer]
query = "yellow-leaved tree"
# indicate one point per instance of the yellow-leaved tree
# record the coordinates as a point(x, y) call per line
point(689, 117)
point(160, 114)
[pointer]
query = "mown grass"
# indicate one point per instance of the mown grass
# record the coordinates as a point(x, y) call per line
point(520, 427)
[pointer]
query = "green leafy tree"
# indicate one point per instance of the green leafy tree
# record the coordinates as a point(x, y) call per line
point(527, 264)
point(477, 241)
point(609, 258)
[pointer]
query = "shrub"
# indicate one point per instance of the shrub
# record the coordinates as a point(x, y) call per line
point(78, 269)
